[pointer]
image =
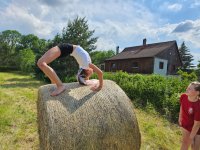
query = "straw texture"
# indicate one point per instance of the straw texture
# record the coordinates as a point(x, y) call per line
point(80, 119)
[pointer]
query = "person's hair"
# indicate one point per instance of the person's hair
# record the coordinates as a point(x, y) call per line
point(81, 76)
point(83, 73)
point(196, 86)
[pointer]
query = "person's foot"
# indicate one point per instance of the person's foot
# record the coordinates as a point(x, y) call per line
point(59, 90)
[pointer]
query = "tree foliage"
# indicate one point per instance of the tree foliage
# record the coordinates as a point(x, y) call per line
point(99, 57)
point(77, 32)
point(9, 40)
point(32, 42)
point(186, 57)
point(11, 45)
point(26, 59)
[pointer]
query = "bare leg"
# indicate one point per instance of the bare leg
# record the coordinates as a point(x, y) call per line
point(43, 62)
point(196, 145)
point(185, 139)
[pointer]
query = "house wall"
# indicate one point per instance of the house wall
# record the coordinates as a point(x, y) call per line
point(145, 65)
point(157, 69)
point(173, 58)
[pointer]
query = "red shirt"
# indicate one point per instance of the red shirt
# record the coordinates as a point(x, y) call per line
point(190, 112)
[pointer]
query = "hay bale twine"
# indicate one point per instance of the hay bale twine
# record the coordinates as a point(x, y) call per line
point(79, 119)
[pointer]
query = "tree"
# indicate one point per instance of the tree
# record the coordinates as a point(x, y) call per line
point(77, 32)
point(99, 57)
point(9, 40)
point(186, 57)
point(26, 59)
point(31, 41)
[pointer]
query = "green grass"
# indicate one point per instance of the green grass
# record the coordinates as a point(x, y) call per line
point(18, 118)
point(18, 127)
point(157, 133)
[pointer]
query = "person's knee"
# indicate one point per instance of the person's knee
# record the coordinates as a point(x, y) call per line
point(41, 64)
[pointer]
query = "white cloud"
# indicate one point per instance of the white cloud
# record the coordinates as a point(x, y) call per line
point(105, 44)
point(196, 3)
point(110, 18)
point(116, 22)
point(23, 20)
point(171, 7)
point(175, 7)
point(192, 35)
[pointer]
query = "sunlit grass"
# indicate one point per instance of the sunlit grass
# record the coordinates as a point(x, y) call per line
point(18, 124)
point(157, 132)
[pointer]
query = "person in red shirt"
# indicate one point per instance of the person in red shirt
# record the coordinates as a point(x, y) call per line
point(189, 117)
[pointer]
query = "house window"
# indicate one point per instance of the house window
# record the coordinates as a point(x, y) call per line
point(113, 65)
point(161, 65)
point(135, 65)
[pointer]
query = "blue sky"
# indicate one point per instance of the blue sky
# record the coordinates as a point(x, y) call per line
point(120, 23)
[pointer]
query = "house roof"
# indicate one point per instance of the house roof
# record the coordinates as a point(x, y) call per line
point(148, 50)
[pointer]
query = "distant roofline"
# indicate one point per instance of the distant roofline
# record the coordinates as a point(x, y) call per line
point(150, 44)
point(140, 48)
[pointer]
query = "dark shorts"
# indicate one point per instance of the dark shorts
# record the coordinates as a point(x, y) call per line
point(65, 49)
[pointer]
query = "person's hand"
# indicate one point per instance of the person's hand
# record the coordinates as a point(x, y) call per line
point(191, 140)
point(96, 88)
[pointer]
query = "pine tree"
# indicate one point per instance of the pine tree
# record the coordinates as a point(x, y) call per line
point(186, 57)
point(78, 33)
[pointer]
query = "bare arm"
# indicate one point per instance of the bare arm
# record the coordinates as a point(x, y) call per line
point(99, 74)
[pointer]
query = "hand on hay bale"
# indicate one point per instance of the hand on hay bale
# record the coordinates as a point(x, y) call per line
point(94, 84)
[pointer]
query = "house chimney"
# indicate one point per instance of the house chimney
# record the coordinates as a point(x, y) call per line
point(144, 42)
point(117, 50)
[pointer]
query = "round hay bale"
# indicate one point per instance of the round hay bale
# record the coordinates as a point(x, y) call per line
point(80, 119)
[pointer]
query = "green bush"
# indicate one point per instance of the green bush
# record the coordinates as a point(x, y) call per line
point(188, 76)
point(26, 60)
point(161, 92)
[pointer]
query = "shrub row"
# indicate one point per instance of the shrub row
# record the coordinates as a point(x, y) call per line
point(160, 92)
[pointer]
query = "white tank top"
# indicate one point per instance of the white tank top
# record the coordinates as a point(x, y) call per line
point(82, 57)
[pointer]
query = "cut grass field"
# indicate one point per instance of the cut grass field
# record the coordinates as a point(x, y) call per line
point(18, 118)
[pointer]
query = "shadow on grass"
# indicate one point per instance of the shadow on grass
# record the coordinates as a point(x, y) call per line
point(21, 80)
point(21, 85)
